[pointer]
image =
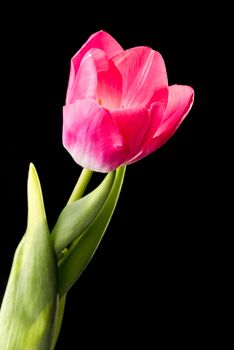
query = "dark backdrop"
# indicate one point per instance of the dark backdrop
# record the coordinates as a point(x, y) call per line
point(150, 279)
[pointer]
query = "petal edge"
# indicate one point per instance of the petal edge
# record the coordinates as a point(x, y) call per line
point(91, 136)
point(99, 40)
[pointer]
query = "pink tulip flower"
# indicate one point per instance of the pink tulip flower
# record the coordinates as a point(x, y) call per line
point(119, 107)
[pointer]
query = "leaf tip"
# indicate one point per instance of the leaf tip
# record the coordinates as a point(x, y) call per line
point(35, 199)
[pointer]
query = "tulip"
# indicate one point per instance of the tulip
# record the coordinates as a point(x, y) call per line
point(119, 107)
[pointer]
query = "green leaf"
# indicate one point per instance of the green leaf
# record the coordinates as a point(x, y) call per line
point(61, 309)
point(29, 307)
point(76, 217)
point(82, 250)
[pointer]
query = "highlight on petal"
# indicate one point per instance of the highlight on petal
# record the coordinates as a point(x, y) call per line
point(180, 101)
point(97, 78)
point(85, 82)
point(91, 136)
point(100, 40)
point(144, 73)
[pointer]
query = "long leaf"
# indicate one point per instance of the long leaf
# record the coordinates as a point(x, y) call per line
point(61, 309)
point(81, 252)
point(29, 306)
point(76, 217)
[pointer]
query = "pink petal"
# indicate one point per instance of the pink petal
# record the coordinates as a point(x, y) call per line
point(155, 116)
point(144, 74)
point(180, 101)
point(91, 136)
point(85, 82)
point(100, 40)
point(109, 89)
point(133, 124)
point(97, 78)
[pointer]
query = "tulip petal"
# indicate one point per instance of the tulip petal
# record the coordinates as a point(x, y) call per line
point(100, 40)
point(133, 124)
point(85, 82)
point(91, 136)
point(144, 73)
point(180, 101)
point(155, 116)
point(179, 104)
point(109, 89)
point(97, 78)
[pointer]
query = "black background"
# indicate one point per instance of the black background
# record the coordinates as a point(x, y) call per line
point(150, 280)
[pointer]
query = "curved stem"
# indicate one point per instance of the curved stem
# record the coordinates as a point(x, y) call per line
point(81, 185)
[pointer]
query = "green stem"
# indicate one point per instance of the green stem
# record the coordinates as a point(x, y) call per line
point(77, 193)
point(81, 185)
